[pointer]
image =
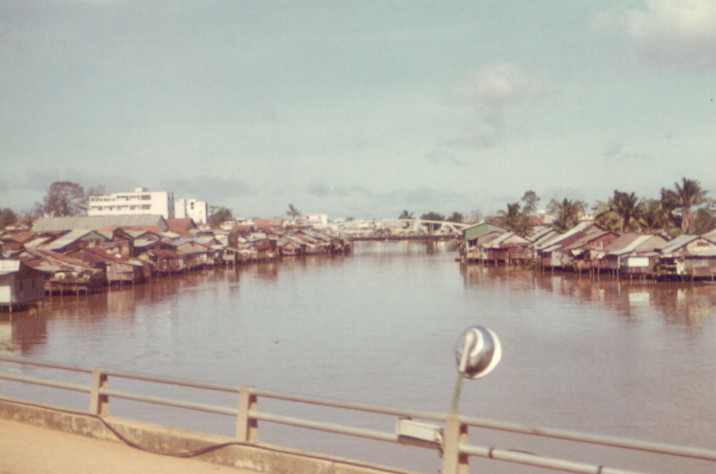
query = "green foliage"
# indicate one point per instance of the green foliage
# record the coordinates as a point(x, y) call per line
point(456, 217)
point(623, 212)
point(63, 198)
point(515, 219)
point(432, 216)
point(704, 222)
point(566, 213)
point(530, 199)
point(218, 216)
point(680, 201)
point(292, 212)
point(7, 217)
point(406, 215)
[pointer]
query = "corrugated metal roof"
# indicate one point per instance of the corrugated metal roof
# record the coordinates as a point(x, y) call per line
point(68, 238)
point(51, 224)
point(678, 242)
point(582, 226)
point(631, 246)
point(8, 267)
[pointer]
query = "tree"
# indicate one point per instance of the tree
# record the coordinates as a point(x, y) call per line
point(682, 199)
point(456, 217)
point(655, 217)
point(218, 215)
point(64, 198)
point(292, 212)
point(530, 199)
point(99, 190)
point(7, 217)
point(432, 216)
point(623, 212)
point(703, 221)
point(406, 215)
point(566, 213)
point(515, 219)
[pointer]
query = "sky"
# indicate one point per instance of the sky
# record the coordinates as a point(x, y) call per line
point(357, 108)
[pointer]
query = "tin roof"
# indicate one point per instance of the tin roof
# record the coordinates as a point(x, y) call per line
point(678, 242)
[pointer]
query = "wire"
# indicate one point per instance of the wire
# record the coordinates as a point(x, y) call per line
point(200, 451)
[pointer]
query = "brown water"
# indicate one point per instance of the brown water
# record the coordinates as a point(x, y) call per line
point(379, 327)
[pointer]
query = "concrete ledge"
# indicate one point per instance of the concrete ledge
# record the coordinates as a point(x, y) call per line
point(257, 457)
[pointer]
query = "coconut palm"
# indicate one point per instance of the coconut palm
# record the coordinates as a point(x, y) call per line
point(682, 199)
point(515, 219)
point(623, 212)
point(566, 213)
point(292, 212)
point(655, 217)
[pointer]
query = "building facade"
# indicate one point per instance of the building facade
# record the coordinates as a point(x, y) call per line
point(141, 201)
point(196, 210)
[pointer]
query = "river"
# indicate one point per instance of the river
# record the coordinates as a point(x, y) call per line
point(629, 359)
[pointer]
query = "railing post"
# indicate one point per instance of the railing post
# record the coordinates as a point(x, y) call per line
point(99, 404)
point(247, 429)
point(454, 462)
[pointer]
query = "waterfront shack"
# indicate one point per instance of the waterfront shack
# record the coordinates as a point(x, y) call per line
point(688, 257)
point(474, 238)
point(20, 285)
point(64, 275)
point(508, 248)
point(575, 249)
point(634, 255)
point(118, 269)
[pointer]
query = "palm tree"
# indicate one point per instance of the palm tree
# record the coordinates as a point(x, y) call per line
point(406, 215)
point(515, 219)
point(566, 213)
point(655, 217)
point(292, 212)
point(681, 199)
point(621, 213)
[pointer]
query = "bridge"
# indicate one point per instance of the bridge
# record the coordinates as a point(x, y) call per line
point(399, 229)
point(444, 434)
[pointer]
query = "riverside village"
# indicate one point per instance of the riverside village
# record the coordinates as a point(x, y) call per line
point(131, 238)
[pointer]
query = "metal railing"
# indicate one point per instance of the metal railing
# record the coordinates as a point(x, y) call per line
point(449, 436)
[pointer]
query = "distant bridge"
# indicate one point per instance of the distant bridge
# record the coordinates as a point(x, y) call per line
point(399, 229)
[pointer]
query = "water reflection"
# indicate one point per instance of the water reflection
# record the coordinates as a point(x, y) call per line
point(688, 303)
point(20, 333)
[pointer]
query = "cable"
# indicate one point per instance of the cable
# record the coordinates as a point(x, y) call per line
point(200, 451)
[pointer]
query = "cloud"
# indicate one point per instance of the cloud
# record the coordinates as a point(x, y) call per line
point(443, 157)
point(501, 85)
point(492, 92)
point(678, 34)
point(486, 132)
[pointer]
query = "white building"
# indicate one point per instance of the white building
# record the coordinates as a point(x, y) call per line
point(141, 201)
point(317, 219)
point(198, 211)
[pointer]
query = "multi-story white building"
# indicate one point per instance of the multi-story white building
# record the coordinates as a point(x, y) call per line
point(141, 201)
point(197, 210)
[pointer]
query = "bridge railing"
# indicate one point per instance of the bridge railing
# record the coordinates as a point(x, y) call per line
point(447, 434)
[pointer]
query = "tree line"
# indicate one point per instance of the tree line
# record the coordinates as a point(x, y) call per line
point(681, 209)
point(684, 208)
